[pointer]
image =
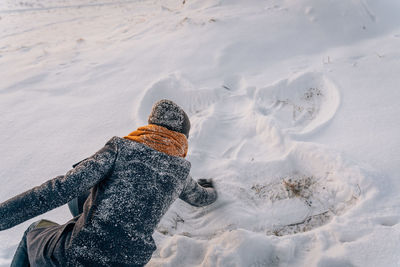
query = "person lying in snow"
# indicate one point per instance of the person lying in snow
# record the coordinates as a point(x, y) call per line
point(132, 182)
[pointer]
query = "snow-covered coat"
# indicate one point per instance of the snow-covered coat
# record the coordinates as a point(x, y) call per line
point(132, 186)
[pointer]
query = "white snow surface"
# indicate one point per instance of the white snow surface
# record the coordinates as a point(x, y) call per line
point(294, 108)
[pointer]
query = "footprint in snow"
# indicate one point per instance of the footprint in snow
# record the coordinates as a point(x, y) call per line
point(299, 105)
point(303, 191)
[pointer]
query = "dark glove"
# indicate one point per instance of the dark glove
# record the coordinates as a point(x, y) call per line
point(206, 183)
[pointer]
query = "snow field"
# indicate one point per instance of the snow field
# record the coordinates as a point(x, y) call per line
point(290, 103)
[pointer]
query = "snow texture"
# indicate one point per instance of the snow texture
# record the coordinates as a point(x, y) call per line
point(293, 107)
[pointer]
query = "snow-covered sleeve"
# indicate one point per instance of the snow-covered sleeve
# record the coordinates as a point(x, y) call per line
point(196, 195)
point(58, 191)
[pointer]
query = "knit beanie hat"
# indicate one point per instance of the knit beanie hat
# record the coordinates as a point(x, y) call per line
point(171, 116)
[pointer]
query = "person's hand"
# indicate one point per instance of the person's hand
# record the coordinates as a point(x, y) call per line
point(206, 183)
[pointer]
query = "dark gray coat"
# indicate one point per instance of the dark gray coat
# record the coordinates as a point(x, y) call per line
point(132, 186)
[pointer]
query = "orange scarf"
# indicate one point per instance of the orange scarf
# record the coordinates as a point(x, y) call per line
point(161, 139)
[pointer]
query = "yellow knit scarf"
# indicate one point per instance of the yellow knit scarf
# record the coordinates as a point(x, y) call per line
point(161, 139)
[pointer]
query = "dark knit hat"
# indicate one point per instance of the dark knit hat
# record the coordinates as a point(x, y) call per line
point(171, 116)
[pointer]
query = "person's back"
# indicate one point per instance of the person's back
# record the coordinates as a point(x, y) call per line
point(123, 210)
point(133, 181)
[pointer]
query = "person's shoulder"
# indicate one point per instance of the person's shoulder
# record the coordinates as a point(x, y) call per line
point(114, 139)
point(145, 152)
point(126, 145)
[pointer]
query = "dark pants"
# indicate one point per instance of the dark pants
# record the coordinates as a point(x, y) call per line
point(21, 254)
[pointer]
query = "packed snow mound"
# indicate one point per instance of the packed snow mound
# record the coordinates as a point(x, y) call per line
point(299, 105)
point(303, 190)
point(267, 115)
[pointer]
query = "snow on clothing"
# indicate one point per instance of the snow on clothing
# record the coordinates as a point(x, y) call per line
point(168, 114)
point(132, 185)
